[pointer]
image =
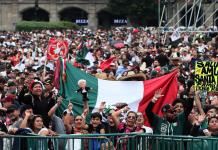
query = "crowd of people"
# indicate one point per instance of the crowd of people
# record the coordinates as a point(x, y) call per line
point(29, 100)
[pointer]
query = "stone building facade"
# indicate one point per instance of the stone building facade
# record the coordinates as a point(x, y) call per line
point(86, 12)
point(11, 11)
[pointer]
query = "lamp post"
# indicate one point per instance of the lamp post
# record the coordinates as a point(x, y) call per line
point(36, 8)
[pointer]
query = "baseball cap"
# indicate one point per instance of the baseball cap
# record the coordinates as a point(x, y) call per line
point(112, 64)
point(166, 108)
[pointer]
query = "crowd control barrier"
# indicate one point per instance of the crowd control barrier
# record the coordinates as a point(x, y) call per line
point(107, 142)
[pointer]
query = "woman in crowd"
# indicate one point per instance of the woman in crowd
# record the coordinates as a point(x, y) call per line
point(140, 127)
point(78, 129)
point(37, 100)
point(36, 125)
point(212, 129)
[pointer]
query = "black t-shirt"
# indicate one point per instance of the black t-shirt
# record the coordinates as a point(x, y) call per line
point(162, 59)
point(3, 128)
point(40, 107)
point(110, 129)
point(97, 130)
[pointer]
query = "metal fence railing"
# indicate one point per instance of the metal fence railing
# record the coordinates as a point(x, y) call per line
point(107, 142)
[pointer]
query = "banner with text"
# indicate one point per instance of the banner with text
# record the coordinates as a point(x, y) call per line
point(206, 76)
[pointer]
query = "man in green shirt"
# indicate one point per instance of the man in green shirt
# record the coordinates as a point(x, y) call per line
point(170, 123)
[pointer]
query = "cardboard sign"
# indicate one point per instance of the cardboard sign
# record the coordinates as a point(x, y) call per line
point(206, 76)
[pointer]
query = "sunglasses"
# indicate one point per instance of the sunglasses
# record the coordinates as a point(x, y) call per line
point(131, 117)
point(78, 120)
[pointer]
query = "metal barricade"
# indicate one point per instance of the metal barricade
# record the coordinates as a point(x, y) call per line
point(107, 142)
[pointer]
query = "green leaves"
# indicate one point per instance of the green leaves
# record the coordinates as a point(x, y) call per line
point(39, 25)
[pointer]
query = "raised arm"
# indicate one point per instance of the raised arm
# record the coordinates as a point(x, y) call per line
point(84, 115)
point(195, 130)
point(198, 103)
point(101, 107)
point(190, 101)
point(24, 123)
point(116, 114)
point(150, 106)
point(54, 108)
point(22, 93)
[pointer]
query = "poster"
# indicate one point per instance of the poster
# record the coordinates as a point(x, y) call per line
point(206, 76)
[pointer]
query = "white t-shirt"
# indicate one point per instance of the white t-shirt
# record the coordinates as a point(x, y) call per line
point(43, 129)
point(147, 129)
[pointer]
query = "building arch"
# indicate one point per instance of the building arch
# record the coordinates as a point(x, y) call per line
point(74, 14)
point(37, 14)
point(107, 19)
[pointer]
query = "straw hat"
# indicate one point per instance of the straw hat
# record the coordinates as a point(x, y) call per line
point(101, 75)
point(134, 77)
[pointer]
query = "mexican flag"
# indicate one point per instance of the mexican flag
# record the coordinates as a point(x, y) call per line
point(57, 48)
point(106, 64)
point(137, 94)
point(84, 56)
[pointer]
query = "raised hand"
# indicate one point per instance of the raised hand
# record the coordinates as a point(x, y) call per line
point(28, 113)
point(102, 106)
point(85, 112)
point(59, 101)
point(201, 118)
point(125, 109)
point(206, 132)
point(52, 133)
point(158, 94)
point(70, 106)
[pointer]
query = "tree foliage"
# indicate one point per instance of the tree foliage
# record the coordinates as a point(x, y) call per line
point(140, 12)
point(40, 25)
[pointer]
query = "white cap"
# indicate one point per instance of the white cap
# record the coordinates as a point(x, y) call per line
point(113, 64)
point(58, 34)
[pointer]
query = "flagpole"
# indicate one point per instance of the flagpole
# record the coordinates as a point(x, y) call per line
point(68, 56)
point(44, 69)
point(159, 22)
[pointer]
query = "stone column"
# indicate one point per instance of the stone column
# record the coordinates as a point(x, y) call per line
point(1, 16)
point(92, 21)
point(53, 11)
point(5, 16)
point(92, 18)
point(9, 16)
point(15, 17)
